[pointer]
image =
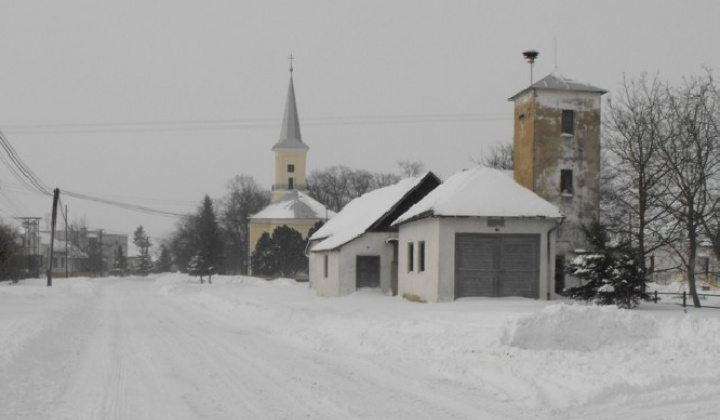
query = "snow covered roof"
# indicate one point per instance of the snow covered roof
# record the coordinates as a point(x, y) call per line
point(62, 246)
point(481, 192)
point(556, 81)
point(294, 205)
point(290, 137)
point(359, 215)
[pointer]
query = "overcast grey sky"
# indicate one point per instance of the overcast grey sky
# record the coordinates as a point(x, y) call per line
point(158, 102)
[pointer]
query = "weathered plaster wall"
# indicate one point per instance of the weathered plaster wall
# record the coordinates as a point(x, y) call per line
point(523, 140)
point(579, 152)
point(542, 151)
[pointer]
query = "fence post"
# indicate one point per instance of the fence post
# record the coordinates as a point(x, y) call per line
point(684, 298)
point(655, 296)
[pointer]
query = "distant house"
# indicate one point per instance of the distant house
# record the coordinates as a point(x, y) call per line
point(90, 252)
point(67, 258)
point(358, 247)
point(478, 234)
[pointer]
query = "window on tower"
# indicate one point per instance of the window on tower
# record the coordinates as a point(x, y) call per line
point(568, 121)
point(566, 181)
point(291, 168)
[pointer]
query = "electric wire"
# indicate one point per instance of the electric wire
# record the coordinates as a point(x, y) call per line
point(126, 206)
point(239, 124)
point(19, 166)
point(31, 182)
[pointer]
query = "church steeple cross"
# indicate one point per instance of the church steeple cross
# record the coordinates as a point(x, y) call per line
point(291, 58)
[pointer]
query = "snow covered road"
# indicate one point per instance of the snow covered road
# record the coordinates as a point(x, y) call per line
point(169, 348)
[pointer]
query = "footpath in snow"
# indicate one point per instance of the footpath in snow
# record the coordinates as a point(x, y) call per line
point(169, 348)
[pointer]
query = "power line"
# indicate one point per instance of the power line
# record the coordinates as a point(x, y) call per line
point(19, 169)
point(242, 124)
point(126, 206)
point(31, 182)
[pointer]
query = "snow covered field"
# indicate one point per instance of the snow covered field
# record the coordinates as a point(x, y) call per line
point(169, 348)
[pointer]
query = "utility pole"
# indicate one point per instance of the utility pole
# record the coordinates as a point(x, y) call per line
point(56, 196)
point(100, 265)
point(67, 250)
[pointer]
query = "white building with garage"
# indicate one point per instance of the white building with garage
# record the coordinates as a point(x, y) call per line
point(358, 247)
point(478, 234)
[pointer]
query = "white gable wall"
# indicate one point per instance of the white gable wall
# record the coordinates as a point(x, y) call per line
point(342, 264)
point(415, 284)
point(325, 285)
point(437, 282)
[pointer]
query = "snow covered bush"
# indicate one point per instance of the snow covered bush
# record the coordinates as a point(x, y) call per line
point(610, 275)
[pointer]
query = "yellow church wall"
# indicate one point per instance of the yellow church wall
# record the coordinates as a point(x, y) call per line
point(258, 228)
point(285, 157)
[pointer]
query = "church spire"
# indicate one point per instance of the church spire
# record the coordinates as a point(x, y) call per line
point(290, 137)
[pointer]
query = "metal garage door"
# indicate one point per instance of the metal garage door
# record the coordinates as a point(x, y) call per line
point(367, 271)
point(496, 265)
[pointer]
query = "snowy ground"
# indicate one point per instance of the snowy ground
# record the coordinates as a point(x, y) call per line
point(170, 348)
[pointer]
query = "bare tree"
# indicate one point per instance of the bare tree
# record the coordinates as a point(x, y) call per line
point(501, 156)
point(338, 185)
point(411, 168)
point(243, 199)
point(632, 189)
point(692, 155)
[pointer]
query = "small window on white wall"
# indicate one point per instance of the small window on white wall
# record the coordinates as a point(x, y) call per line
point(325, 265)
point(421, 256)
point(411, 256)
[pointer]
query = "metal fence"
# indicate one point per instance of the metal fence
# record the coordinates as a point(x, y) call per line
point(713, 299)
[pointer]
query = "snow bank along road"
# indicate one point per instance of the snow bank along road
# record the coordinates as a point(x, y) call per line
point(170, 348)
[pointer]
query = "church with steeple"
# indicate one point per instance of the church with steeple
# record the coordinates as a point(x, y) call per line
point(290, 205)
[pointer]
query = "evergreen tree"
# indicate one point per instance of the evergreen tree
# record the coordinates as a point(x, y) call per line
point(164, 262)
point(610, 274)
point(120, 260)
point(282, 254)
point(182, 244)
point(209, 245)
point(263, 261)
point(289, 246)
point(315, 228)
point(142, 241)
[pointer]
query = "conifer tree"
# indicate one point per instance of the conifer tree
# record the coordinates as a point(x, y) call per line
point(282, 254)
point(263, 261)
point(610, 274)
point(209, 245)
point(142, 241)
point(289, 246)
point(164, 262)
